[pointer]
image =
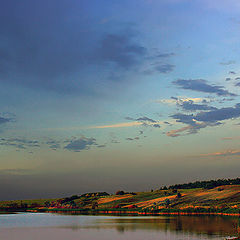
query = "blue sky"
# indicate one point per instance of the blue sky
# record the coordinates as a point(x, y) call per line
point(132, 95)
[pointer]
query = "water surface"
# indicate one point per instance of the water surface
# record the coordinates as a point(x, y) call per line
point(39, 226)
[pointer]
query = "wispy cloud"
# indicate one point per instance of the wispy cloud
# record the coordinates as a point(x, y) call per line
point(228, 62)
point(222, 154)
point(175, 100)
point(201, 85)
point(175, 133)
point(230, 138)
point(117, 125)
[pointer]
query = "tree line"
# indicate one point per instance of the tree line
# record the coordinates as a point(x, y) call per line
point(204, 184)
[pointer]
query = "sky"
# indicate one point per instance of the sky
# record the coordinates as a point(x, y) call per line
point(117, 95)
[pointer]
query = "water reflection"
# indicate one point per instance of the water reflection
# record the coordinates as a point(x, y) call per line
point(202, 224)
point(87, 227)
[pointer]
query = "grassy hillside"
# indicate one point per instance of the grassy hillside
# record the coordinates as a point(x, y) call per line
point(219, 199)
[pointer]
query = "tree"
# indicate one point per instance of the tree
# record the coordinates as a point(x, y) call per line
point(94, 205)
point(167, 202)
point(179, 195)
point(120, 193)
point(47, 204)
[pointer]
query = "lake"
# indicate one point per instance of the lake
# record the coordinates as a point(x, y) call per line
point(44, 226)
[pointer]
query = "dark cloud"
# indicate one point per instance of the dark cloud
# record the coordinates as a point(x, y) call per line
point(237, 84)
point(101, 146)
point(52, 45)
point(146, 122)
point(4, 120)
point(132, 139)
point(145, 119)
point(141, 119)
point(192, 128)
point(228, 62)
point(226, 100)
point(228, 79)
point(201, 85)
point(19, 143)
point(215, 115)
point(165, 55)
point(129, 139)
point(119, 49)
point(232, 72)
point(204, 119)
point(184, 118)
point(191, 106)
point(219, 114)
point(237, 78)
point(7, 117)
point(165, 68)
point(80, 144)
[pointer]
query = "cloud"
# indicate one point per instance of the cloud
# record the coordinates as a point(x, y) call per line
point(15, 171)
point(232, 72)
point(4, 120)
point(145, 121)
point(184, 118)
point(201, 85)
point(119, 49)
point(191, 106)
point(228, 62)
point(219, 114)
point(228, 79)
point(210, 116)
point(165, 68)
point(204, 119)
point(132, 139)
point(19, 143)
point(53, 46)
point(174, 133)
point(237, 84)
point(165, 55)
point(237, 78)
point(101, 146)
point(80, 144)
point(118, 125)
point(190, 129)
point(226, 153)
point(55, 146)
point(179, 100)
point(230, 138)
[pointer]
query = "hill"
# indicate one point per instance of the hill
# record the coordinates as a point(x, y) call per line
point(220, 199)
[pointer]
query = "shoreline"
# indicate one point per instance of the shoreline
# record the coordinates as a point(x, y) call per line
point(135, 213)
